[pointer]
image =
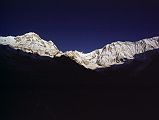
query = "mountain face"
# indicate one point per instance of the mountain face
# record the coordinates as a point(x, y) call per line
point(31, 43)
point(54, 85)
point(111, 54)
point(44, 88)
point(117, 52)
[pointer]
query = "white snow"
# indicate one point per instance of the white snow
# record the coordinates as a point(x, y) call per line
point(110, 54)
point(31, 42)
point(7, 40)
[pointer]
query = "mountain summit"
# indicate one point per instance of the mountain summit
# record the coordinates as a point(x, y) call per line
point(31, 43)
point(111, 54)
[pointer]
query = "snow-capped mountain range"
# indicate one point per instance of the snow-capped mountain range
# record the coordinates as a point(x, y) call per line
point(110, 54)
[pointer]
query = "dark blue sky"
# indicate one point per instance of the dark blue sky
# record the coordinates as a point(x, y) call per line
point(82, 25)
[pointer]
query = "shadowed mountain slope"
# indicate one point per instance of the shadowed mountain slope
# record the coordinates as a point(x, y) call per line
point(35, 87)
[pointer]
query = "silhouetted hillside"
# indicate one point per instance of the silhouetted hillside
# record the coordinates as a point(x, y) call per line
point(23, 68)
point(42, 88)
point(140, 70)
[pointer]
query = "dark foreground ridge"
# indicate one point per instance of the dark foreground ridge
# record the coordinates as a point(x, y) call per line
point(42, 88)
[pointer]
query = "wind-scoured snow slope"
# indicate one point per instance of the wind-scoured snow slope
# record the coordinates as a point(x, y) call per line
point(111, 54)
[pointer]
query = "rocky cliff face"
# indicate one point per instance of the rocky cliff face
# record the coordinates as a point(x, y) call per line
point(114, 53)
